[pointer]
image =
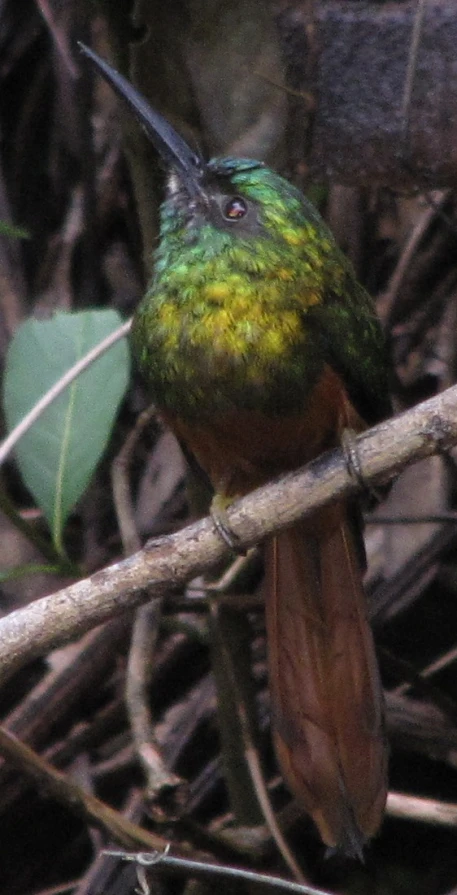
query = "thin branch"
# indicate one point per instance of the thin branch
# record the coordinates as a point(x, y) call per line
point(202, 869)
point(386, 301)
point(433, 668)
point(144, 633)
point(160, 780)
point(174, 559)
point(31, 417)
point(120, 481)
point(59, 36)
point(411, 70)
point(69, 793)
point(430, 811)
point(238, 731)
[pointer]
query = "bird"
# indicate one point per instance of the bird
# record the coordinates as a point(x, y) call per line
point(261, 350)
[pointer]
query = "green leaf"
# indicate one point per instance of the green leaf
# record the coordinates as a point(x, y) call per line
point(13, 232)
point(58, 455)
point(30, 569)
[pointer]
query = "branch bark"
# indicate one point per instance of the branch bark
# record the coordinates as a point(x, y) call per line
point(168, 562)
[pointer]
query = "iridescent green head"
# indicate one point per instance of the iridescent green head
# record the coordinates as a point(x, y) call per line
point(250, 297)
point(239, 197)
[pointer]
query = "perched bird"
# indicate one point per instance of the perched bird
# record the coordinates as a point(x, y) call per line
point(260, 349)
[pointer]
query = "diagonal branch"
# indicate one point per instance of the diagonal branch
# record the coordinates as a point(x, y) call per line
point(168, 562)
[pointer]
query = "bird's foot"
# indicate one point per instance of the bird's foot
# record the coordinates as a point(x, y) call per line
point(354, 465)
point(219, 516)
point(352, 457)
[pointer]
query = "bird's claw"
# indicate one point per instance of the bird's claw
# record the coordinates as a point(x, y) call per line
point(219, 516)
point(352, 458)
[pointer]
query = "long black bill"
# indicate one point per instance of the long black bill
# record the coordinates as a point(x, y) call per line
point(170, 146)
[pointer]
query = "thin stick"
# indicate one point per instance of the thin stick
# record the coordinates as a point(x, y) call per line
point(430, 811)
point(120, 469)
point(67, 792)
point(411, 69)
point(238, 700)
point(438, 665)
point(204, 869)
point(386, 301)
point(144, 633)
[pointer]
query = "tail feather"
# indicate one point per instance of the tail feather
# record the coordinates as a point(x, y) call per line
point(327, 703)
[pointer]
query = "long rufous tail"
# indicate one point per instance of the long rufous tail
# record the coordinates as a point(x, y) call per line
point(327, 703)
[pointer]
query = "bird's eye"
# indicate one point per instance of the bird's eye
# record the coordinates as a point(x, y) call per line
point(234, 208)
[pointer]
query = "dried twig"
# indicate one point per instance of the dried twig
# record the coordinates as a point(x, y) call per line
point(430, 811)
point(200, 869)
point(59, 36)
point(144, 633)
point(386, 302)
point(237, 723)
point(66, 791)
point(121, 485)
point(411, 70)
point(159, 779)
point(58, 692)
point(433, 668)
